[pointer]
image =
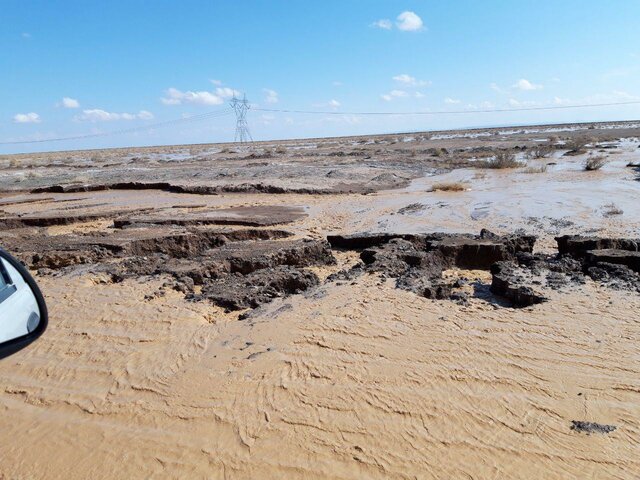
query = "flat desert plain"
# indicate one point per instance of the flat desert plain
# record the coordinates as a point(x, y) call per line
point(432, 305)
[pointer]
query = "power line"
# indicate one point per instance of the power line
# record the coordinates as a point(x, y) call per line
point(240, 107)
point(188, 119)
point(456, 112)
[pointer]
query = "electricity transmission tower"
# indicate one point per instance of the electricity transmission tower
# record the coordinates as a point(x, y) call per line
point(242, 128)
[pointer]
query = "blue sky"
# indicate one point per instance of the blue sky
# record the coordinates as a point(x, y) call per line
point(78, 67)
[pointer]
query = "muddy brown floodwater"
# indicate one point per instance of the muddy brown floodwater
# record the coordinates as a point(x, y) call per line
point(323, 309)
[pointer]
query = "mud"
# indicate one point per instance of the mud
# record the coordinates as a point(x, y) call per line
point(382, 182)
point(259, 216)
point(232, 323)
point(237, 292)
point(418, 261)
point(525, 280)
point(591, 427)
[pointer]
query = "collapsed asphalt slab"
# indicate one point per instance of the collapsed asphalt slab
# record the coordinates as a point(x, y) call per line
point(245, 267)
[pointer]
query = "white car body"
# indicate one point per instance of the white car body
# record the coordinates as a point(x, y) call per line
point(18, 304)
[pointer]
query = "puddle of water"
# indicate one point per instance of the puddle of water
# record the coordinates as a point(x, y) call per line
point(509, 199)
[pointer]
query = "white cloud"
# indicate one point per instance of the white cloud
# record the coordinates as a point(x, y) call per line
point(410, 81)
point(271, 96)
point(25, 35)
point(409, 22)
point(394, 94)
point(68, 102)
point(98, 115)
point(145, 115)
point(451, 101)
point(30, 117)
point(524, 84)
point(173, 96)
point(384, 24)
point(217, 83)
point(337, 84)
point(226, 92)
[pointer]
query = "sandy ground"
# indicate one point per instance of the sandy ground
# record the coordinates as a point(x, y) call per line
point(352, 379)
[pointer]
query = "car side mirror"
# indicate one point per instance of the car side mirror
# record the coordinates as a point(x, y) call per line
point(23, 312)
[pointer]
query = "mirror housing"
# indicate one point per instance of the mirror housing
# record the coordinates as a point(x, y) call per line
point(23, 311)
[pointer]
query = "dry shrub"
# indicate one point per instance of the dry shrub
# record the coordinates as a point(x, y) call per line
point(578, 144)
point(539, 151)
point(281, 149)
point(501, 159)
point(448, 187)
point(595, 162)
point(538, 169)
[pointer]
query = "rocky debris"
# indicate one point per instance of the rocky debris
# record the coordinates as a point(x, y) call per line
point(398, 256)
point(347, 274)
point(524, 280)
point(578, 246)
point(233, 274)
point(241, 258)
point(244, 268)
point(614, 276)
point(512, 282)
point(591, 427)
point(460, 250)
point(418, 260)
point(236, 268)
point(613, 262)
point(429, 287)
point(553, 267)
point(237, 291)
point(481, 253)
point(627, 258)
